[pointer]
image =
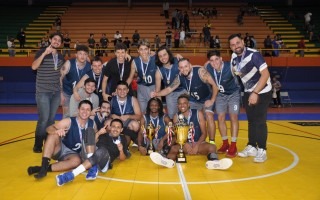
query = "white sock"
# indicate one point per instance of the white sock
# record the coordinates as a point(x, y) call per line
point(89, 155)
point(78, 170)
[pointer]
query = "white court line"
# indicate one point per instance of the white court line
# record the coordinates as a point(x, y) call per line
point(291, 166)
point(184, 184)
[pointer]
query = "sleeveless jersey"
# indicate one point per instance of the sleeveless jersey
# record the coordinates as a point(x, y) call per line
point(73, 140)
point(198, 90)
point(168, 75)
point(149, 69)
point(195, 119)
point(225, 80)
point(74, 75)
point(158, 121)
point(127, 108)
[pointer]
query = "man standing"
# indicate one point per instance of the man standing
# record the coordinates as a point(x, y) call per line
point(117, 69)
point(253, 71)
point(145, 67)
point(71, 73)
point(228, 100)
point(22, 38)
point(48, 62)
point(66, 45)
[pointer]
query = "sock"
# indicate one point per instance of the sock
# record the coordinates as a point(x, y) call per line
point(33, 170)
point(212, 156)
point(224, 138)
point(78, 170)
point(50, 168)
point(234, 139)
point(89, 155)
point(44, 168)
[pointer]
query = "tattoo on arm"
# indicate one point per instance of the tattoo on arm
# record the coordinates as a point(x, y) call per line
point(175, 83)
point(203, 74)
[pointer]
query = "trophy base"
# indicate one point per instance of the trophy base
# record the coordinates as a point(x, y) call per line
point(181, 160)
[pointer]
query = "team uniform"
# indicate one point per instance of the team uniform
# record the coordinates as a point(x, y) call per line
point(167, 77)
point(72, 78)
point(229, 89)
point(122, 109)
point(198, 91)
point(156, 122)
point(194, 118)
point(75, 139)
point(146, 80)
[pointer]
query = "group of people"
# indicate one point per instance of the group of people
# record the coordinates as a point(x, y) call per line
point(101, 117)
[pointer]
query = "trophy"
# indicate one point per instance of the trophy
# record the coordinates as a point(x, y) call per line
point(181, 131)
point(150, 132)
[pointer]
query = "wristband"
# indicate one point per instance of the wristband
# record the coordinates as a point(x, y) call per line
point(255, 92)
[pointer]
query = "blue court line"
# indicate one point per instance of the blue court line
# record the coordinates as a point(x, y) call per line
point(242, 116)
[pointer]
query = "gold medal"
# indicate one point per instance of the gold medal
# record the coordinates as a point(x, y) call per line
point(56, 68)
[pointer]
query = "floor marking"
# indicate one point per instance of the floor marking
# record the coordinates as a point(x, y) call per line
point(291, 166)
point(294, 129)
point(183, 181)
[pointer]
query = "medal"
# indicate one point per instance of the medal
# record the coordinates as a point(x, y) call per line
point(168, 82)
point(144, 77)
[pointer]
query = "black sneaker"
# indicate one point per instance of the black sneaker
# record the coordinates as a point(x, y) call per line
point(37, 149)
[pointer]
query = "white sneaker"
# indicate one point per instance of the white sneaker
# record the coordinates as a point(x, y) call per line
point(261, 156)
point(248, 151)
point(222, 164)
point(158, 159)
point(134, 145)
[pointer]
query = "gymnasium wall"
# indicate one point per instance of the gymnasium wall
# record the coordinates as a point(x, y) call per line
point(299, 76)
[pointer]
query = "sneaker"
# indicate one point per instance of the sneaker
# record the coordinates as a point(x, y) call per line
point(261, 156)
point(212, 142)
point(222, 164)
point(248, 151)
point(64, 178)
point(223, 148)
point(92, 173)
point(232, 150)
point(134, 145)
point(33, 169)
point(160, 160)
point(37, 149)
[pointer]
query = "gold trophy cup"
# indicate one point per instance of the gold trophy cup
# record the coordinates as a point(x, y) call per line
point(181, 131)
point(150, 132)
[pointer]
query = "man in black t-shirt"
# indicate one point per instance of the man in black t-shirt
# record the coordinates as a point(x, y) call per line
point(66, 45)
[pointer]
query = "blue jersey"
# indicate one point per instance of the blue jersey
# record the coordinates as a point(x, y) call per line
point(249, 65)
point(125, 109)
point(74, 75)
point(73, 138)
point(146, 71)
point(159, 121)
point(225, 80)
point(193, 117)
point(168, 75)
point(198, 90)
point(98, 79)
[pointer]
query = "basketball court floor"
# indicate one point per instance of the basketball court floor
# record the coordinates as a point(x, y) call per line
point(291, 171)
